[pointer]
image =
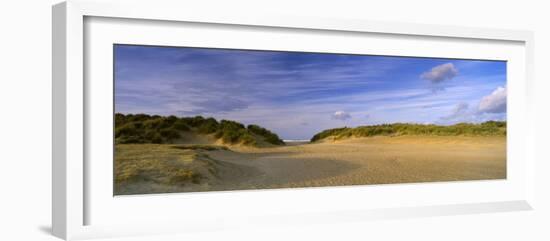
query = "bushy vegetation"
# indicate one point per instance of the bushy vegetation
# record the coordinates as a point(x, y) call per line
point(269, 136)
point(489, 128)
point(142, 128)
point(233, 132)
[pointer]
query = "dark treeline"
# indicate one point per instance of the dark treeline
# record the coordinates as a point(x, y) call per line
point(489, 128)
point(142, 128)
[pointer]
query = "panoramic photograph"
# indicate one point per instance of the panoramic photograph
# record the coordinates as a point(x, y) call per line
point(190, 119)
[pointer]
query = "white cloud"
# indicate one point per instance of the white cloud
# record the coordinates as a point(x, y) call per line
point(341, 115)
point(491, 107)
point(440, 73)
point(494, 103)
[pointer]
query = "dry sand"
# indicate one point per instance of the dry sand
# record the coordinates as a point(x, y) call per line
point(374, 160)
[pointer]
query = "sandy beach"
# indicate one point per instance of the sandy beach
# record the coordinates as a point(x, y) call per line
point(360, 161)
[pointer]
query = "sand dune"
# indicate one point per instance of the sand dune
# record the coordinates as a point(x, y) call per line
point(373, 160)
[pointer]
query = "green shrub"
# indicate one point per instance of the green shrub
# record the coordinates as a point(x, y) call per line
point(209, 126)
point(231, 136)
point(128, 129)
point(248, 139)
point(269, 136)
point(120, 119)
point(142, 128)
point(195, 121)
point(156, 138)
point(230, 125)
point(138, 117)
point(169, 133)
point(181, 125)
point(153, 123)
point(490, 128)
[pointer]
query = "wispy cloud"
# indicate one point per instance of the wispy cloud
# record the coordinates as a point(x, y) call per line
point(460, 111)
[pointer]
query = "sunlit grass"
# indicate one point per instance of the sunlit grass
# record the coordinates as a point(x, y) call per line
point(160, 164)
point(489, 128)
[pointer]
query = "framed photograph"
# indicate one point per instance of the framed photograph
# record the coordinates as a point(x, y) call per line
point(180, 121)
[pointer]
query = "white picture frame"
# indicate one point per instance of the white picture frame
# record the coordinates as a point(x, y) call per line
point(72, 187)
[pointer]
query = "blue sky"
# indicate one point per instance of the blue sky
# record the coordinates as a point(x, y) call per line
point(299, 94)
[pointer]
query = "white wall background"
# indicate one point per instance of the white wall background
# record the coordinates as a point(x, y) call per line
point(25, 122)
